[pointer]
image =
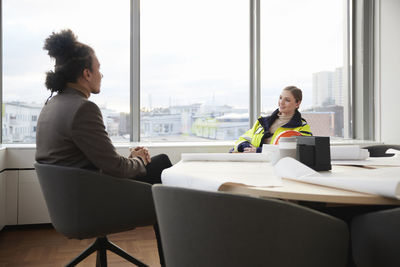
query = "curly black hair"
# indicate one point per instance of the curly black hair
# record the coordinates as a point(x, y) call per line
point(71, 58)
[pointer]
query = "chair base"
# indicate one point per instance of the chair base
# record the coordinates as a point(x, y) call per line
point(101, 245)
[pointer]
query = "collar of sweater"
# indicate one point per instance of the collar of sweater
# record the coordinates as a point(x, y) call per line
point(294, 122)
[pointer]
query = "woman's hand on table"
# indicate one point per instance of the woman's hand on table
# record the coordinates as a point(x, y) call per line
point(251, 149)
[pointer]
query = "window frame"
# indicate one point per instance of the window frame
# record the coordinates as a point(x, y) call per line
point(255, 78)
point(359, 53)
point(1, 70)
point(363, 73)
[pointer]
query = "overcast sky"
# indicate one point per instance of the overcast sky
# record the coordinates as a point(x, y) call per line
point(191, 51)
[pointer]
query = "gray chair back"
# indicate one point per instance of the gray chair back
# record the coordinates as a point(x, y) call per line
point(85, 204)
point(376, 239)
point(207, 229)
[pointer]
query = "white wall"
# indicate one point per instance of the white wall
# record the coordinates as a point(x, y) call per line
point(389, 65)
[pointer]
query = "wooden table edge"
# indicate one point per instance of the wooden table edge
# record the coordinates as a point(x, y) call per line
point(346, 196)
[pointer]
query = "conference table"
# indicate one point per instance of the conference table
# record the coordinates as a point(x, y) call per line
point(299, 191)
point(293, 190)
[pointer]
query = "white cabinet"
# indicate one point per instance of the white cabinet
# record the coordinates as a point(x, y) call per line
point(21, 198)
point(31, 204)
point(2, 200)
point(11, 178)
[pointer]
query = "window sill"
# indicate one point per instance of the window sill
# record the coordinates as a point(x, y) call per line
point(192, 144)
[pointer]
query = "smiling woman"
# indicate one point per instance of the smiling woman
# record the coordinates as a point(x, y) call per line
point(26, 24)
point(285, 119)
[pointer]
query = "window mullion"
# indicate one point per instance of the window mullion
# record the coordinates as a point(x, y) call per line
point(1, 69)
point(363, 81)
point(255, 91)
point(135, 71)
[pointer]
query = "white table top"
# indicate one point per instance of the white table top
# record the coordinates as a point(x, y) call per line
point(195, 175)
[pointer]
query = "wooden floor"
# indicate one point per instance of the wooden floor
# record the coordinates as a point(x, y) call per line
point(41, 245)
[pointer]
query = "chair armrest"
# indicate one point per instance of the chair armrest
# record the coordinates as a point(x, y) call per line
point(109, 199)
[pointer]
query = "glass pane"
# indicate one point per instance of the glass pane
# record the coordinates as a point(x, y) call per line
point(302, 44)
point(26, 24)
point(194, 69)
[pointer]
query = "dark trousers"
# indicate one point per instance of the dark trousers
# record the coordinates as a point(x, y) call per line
point(154, 169)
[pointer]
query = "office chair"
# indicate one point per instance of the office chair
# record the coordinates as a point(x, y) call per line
point(207, 229)
point(86, 204)
point(376, 238)
point(380, 150)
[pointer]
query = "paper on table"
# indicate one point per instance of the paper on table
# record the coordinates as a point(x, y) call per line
point(382, 181)
point(272, 152)
point(351, 152)
point(224, 157)
point(210, 176)
point(378, 161)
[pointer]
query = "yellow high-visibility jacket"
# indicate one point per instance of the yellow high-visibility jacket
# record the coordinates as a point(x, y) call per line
point(260, 131)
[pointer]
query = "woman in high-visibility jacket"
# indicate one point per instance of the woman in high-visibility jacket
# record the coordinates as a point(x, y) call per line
point(267, 130)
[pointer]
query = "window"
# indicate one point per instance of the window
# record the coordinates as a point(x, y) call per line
point(302, 44)
point(194, 68)
point(194, 64)
point(104, 25)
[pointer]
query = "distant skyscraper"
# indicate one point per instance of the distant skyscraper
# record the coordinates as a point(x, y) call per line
point(322, 88)
point(328, 88)
point(338, 87)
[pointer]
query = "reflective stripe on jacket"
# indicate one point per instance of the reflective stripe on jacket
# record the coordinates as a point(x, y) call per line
point(260, 131)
